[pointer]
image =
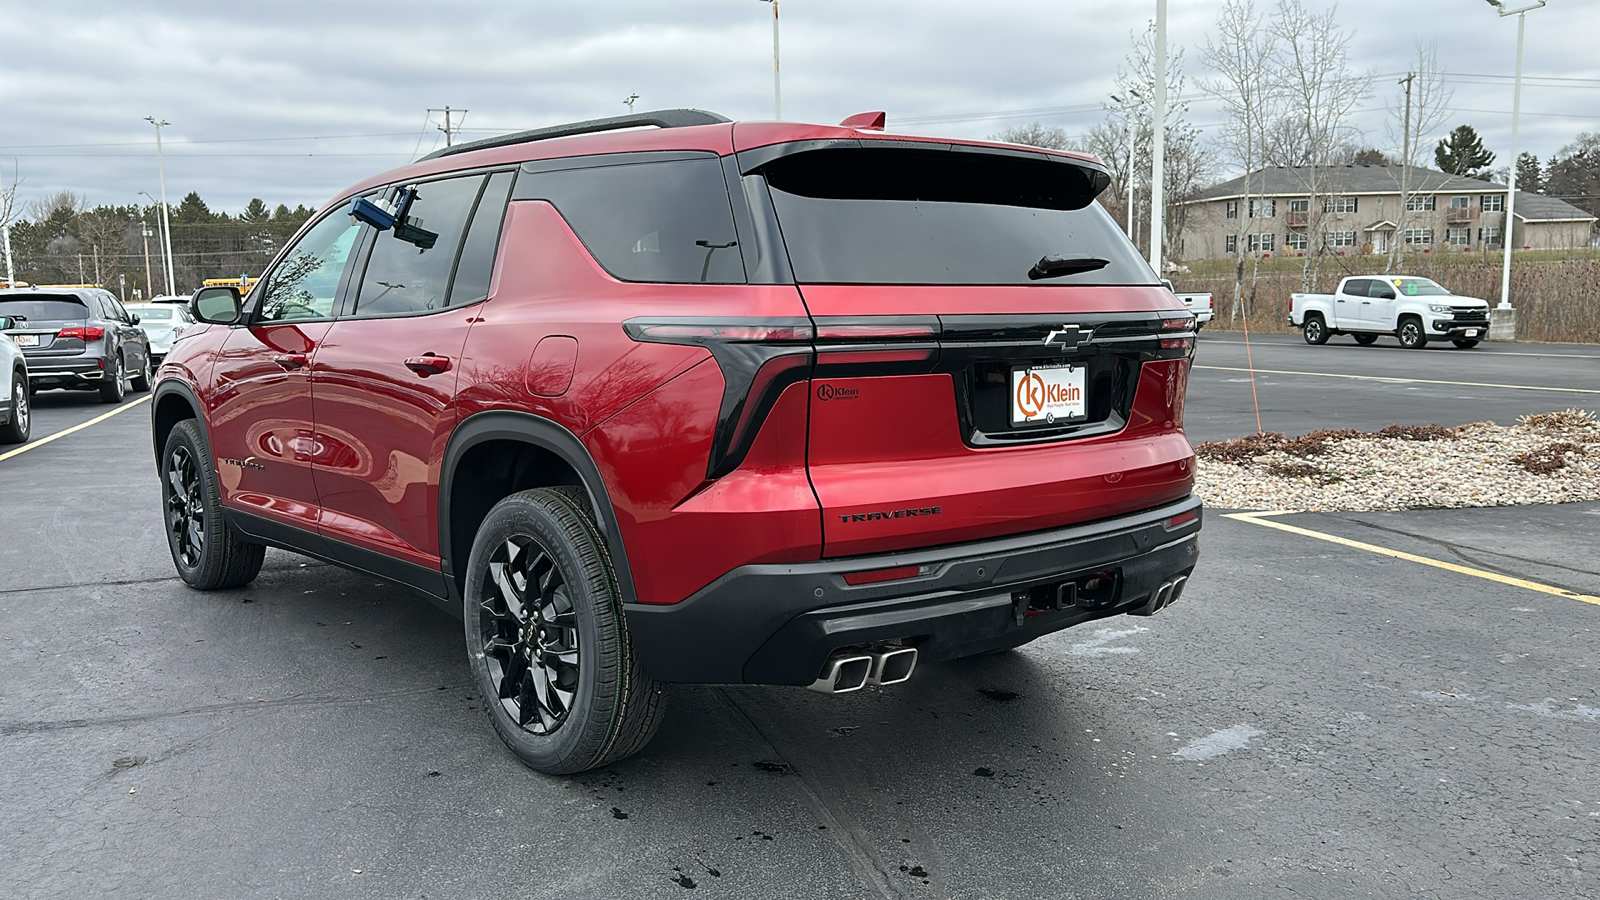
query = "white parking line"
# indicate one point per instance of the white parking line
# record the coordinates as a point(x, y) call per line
point(1393, 378)
point(34, 445)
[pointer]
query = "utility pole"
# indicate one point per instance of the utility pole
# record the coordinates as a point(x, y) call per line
point(629, 100)
point(1397, 249)
point(777, 90)
point(448, 131)
point(1158, 139)
point(166, 225)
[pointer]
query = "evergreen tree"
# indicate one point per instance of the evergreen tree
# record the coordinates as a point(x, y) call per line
point(1530, 177)
point(1462, 153)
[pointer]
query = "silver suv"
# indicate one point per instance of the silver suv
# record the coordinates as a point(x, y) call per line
point(14, 417)
point(78, 338)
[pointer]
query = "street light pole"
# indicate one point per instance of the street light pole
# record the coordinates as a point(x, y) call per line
point(1127, 112)
point(144, 232)
point(161, 240)
point(777, 89)
point(1158, 140)
point(1507, 320)
point(166, 225)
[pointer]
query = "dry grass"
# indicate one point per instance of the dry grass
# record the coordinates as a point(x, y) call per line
point(1549, 458)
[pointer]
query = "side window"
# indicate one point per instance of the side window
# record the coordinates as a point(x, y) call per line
point(1356, 287)
point(122, 312)
point(405, 277)
point(305, 283)
point(1380, 290)
point(664, 222)
point(471, 283)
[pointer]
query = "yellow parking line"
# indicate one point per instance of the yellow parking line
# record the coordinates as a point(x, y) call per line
point(34, 445)
point(1260, 518)
point(1509, 387)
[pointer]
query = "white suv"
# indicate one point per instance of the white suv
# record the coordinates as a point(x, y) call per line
point(15, 420)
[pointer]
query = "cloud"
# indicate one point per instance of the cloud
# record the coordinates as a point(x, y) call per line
point(292, 101)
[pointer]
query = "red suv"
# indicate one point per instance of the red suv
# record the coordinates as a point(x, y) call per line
point(757, 403)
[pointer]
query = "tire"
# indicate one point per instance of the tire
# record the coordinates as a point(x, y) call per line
point(1366, 340)
point(560, 683)
point(141, 382)
point(16, 431)
point(1464, 343)
point(1315, 330)
point(207, 552)
point(1411, 335)
point(112, 390)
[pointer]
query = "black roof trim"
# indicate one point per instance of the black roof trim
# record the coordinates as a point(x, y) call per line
point(661, 118)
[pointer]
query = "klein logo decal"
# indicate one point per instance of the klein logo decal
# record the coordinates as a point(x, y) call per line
point(245, 463)
point(1033, 394)
point(892, 514)
point(827, 392)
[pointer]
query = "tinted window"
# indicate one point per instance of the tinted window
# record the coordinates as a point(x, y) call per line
point(36, 309)
point(483, 238)
point(305, 283)
point(403, 276)
point(1356, 287)
point(895, 216)
point(665, 222)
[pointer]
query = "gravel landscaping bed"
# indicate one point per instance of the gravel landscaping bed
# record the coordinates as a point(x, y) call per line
point(1545, 458)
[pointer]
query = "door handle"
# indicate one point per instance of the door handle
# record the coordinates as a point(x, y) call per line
point(291, 361)
point(428, 364)
point(1366, 303)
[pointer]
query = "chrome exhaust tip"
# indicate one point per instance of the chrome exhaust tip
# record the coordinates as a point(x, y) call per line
point(843, 674)
point(894, 666)
point(1177, 589)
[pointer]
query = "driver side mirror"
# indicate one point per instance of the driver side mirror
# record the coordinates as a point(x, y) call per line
point(1386, 294)
point(5, 322)
point(218, 305)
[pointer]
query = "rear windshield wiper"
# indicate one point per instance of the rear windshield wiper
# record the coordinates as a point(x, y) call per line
point(1071, 264)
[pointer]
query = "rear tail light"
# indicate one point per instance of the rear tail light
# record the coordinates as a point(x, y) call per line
point(1181, 339)
point(82, 332)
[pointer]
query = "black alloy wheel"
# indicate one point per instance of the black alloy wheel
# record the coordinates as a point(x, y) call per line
point(207, 552)
point(1315, 331)
point(17, 430)
point(1366, 340)
point(1411, 335)
point(530, 635)
point(547, 639)
point(112, 388)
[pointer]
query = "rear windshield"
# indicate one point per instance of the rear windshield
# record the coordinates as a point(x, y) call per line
point(35, 310)
point(899, 216)
point(152, 313)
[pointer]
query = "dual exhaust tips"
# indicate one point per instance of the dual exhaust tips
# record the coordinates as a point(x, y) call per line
point(848, 671)
point(1164, 596)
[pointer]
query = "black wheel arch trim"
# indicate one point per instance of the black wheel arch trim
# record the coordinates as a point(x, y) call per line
point(161, 391)
point(547, 435)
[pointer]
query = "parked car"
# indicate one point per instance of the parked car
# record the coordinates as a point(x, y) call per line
point(1414, 310)
point(16, 422)
point(1198, 302)
point(762, 403)
point(79, 338)
point(162, 323)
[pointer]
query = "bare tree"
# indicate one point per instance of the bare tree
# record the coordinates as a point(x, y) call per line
point(8, 208)
point(1320, 92)
point(1035, 134)
point(1241, 55)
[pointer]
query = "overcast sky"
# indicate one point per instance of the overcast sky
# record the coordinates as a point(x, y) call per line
point(292, 100)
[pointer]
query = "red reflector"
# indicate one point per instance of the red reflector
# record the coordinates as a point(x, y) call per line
point(1183, 518)
point(870, 332)
point(851, 357)
point(880, 575)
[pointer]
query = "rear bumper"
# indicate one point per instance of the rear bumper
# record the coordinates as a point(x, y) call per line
point(777, 624)
point(71, 372)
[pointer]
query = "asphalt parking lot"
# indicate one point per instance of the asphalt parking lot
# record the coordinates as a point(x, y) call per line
point(1315, 718)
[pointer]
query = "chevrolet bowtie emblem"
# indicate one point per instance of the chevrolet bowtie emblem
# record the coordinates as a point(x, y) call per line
point(1069, 336)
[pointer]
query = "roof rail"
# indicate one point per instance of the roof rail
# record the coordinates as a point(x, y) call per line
point(663, 118)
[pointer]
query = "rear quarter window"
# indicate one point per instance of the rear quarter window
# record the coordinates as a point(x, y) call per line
point(931, 216)
point(667, 222)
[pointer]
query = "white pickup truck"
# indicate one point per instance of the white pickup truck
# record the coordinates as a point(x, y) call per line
point(1199, 303)
point(1414, 310)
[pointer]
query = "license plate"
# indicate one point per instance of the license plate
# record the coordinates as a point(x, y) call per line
point(27, 340)
point(1048, 394)
point(1472, 332)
